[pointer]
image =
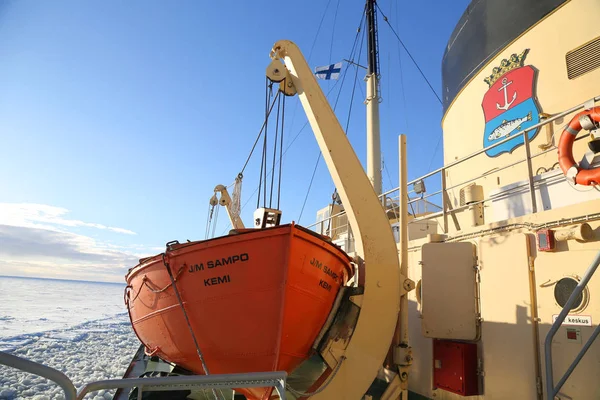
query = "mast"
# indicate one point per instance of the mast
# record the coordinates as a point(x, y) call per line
point(373, 137)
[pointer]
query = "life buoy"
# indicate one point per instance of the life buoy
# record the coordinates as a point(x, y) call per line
point(572, 171)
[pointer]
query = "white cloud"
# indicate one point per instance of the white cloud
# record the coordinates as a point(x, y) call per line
point(46, 217)
point(35, 241)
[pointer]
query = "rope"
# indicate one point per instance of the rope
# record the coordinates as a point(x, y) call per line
point(187, 320)
point(335, 106)
point(274, 151)
point(385, 18)
point(211, 209)
point(402, 91)
point(215, 222)
point(309, 186)
point(320, 389)
point(284, 153)
point(263, 161)
point(145, 282)
point(258, 137)
point(281, 152)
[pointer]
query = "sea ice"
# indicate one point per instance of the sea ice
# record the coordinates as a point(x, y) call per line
point(91, 351)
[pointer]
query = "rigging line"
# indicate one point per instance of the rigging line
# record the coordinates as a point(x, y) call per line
point(385, 18)
point(362, 18)
point(311, 51)
point(347, 122)
point(333, 29)
point(402, 91)
point(281, 152)
point(216, 221)
point(274, 152)
point(259, 135)
point(262, 158)
point(318, 30)
point(208, 219)
point(358, 31)
point(309, 186)
point(266, 145)
point(284, 153)
point(435, 152)
point(333, 34)
point(354, 86)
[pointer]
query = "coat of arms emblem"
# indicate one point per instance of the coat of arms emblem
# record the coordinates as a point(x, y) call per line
point(509, 105)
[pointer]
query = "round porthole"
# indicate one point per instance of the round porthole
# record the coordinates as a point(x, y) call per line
point(563, 290)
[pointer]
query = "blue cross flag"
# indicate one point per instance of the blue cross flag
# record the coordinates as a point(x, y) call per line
point(329, 71)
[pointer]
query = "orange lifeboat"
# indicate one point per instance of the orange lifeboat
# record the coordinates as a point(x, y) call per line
point(255, 301)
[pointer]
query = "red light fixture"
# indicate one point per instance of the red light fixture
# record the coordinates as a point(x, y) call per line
point(545, 238)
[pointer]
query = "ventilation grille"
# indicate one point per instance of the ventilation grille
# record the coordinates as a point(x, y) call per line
point(461, 194)
point(583, 59)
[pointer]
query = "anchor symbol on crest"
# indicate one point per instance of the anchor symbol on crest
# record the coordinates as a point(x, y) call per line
point(507, 104)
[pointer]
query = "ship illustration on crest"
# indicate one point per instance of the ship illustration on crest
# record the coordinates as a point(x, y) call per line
point(509, 105)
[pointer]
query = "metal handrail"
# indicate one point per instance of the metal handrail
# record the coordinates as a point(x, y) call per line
point(527, 159)
point(478, 152)
point(275, 379)
point(550, 388)
point(41, 370)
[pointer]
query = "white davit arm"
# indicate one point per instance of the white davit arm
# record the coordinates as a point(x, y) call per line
point(375, 242)
point(225, 201)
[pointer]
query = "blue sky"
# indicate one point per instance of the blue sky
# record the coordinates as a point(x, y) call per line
point(117, 119)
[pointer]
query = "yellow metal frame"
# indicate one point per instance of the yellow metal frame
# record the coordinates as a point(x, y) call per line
point(375, 243)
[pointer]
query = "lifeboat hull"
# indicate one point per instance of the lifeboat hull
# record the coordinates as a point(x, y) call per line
point(255, 301)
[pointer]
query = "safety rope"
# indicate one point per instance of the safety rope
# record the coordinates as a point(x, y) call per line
point(187, 320)
point(320, 389)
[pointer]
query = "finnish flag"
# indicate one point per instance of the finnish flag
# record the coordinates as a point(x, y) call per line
point(329, 71)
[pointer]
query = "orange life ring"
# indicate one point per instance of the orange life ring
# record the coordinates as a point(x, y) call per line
point(580, 176)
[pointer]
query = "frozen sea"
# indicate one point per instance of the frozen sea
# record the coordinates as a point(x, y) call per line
point(79, 328)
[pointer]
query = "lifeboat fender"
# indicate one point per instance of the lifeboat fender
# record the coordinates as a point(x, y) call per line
point(588, 119)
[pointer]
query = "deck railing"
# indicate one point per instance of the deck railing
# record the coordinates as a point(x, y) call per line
point(552, 390)
point(446, 208)
point(183, 382)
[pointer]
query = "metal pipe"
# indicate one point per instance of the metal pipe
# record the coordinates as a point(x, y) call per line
point(402, 333)
point(442, 170)
point(218, 381)
point(550, 389)
point(373, 136)
point(444, 201)
point(576, 361)
point(535, 325)
point(41, 370)
point(403, 236)
point(530, 173)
